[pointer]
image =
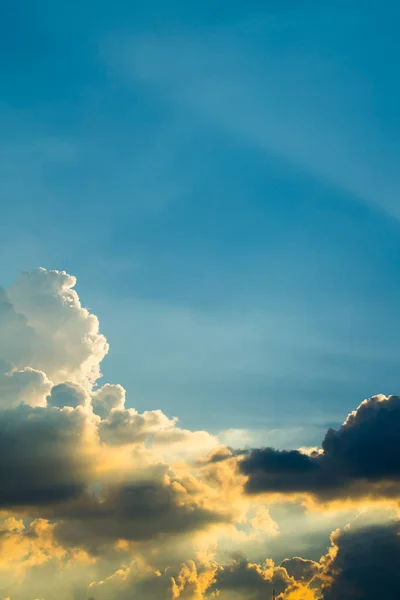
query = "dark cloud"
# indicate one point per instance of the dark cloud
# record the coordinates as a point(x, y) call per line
point(42, 460)
point(252, 581)
point(301, 569)
point(365, 565)
point(360, 457)
point(132, 512)
point(67, 394)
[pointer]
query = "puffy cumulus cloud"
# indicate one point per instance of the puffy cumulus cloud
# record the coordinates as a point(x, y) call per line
point(182, 444)
point(127, 426)
point(262, 522)
point(22, 386)
point(242, 579)
point(189, 581)
point(107, 398)
point(222, 470)
point(34, 565)
point(67, 395)
point(53, 460)
point(202, 578)
point(363, 563)
point(46, 455)
point(72, 455)
point(24, 546)
point(44, 326)
point(362, 458)
point(122, 426)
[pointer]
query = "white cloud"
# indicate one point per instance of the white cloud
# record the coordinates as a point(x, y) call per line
point(22, 386)
point(48, 329)
point(107, 398)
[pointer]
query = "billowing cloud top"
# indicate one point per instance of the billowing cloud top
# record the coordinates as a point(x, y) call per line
point(363, 456)
point(47, 329)
point(100, 500)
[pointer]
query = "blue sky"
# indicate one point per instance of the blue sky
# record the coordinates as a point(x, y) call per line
point(222, 178)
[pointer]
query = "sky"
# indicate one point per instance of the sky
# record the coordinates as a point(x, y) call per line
point(221, 178)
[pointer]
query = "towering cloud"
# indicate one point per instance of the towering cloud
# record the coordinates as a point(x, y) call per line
point(71, 454)
point(46, 328)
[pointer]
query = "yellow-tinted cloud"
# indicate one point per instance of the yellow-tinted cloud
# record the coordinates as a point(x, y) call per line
point(97, 498)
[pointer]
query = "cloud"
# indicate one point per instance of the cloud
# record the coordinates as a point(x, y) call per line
point(107, 398)
point(252, 581)
point(363, 563)
point(99, 499)
point(26, 546)
point(34, 565)
point(127, 426)
point(361, 458)
point(45, 455)
point(22, 386)
point(67, 394)
point(46, 328)
point(73, 453)
point(198, 579)
point(143, 510)
point(301, 569)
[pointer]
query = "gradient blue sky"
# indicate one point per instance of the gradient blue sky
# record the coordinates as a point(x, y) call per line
point(222, 178)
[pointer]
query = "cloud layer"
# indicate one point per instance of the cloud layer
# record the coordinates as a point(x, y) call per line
point(99, 499)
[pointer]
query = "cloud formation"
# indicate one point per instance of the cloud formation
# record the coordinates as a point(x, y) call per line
point(199, 579)
point(359, 459)
point(97, 499)
point(45, 455)
point(47, 329)
point(71, 454)
point(363, 563)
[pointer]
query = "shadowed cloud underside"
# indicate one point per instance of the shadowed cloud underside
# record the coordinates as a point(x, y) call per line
point(100, 499)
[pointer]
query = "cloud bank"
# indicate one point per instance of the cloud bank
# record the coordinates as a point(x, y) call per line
point(98, 500)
